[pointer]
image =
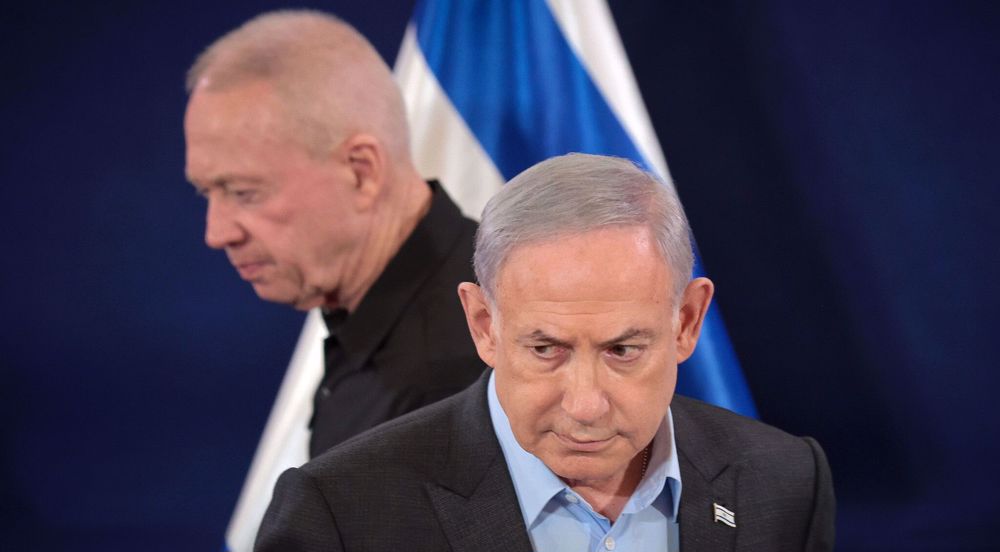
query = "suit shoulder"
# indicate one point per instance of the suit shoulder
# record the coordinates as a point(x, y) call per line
point(705, 428)
point(412, 442)
point(785, 486)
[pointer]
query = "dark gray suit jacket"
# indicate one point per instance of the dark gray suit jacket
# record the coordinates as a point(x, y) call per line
point(436, 479)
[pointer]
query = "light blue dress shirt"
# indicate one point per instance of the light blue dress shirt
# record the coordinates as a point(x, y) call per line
point(559, 519)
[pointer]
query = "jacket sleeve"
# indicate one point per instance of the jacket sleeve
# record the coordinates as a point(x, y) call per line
point(820, 537)
point(298, 519)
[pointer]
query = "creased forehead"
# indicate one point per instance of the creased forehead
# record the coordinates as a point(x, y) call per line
point(603, 266)
point(235, 118)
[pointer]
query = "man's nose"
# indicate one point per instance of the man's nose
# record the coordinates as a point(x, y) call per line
point(221, 228)
point(584, 398)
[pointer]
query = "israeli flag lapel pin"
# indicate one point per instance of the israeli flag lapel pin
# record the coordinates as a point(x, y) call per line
point(724, 515)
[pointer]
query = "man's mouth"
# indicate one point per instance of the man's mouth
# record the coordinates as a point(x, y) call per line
point(583, 443)
point(250, 270)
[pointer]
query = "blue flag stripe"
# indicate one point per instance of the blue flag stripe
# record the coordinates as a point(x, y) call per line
point(713, 372)
point(512, 76)
point(511, 58)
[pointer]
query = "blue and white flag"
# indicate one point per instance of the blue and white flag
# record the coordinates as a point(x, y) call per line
point(492, 88)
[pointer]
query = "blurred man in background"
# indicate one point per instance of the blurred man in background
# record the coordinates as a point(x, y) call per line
point(297, 138)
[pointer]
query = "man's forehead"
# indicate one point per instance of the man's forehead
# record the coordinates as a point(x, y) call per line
point(590, 320)
point(614, 315)
point(238, 130)
point(572, 306)
point(594, 269)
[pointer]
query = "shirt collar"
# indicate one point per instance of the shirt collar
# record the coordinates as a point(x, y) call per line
point(664, 469)
point(536, 485)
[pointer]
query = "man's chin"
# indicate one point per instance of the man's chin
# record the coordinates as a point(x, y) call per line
point(275, 294)
point(286, 295)
point(582, 468)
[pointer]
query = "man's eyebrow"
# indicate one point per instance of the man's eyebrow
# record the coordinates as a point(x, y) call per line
point(631, 333)
point(220, 181)
point(538, 336)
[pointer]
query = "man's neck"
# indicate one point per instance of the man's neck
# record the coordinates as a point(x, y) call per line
point(392, 223)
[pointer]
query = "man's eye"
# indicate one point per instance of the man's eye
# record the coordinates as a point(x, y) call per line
point(625, 352)
point(546, 351)
point(243, 194)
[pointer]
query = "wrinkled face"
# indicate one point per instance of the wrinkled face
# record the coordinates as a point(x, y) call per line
point(283, 217)
point(585, 350)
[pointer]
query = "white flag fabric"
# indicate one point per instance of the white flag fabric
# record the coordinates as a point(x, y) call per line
point(491, 88)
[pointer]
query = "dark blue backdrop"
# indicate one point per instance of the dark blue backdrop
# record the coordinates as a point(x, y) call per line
point(836, 161)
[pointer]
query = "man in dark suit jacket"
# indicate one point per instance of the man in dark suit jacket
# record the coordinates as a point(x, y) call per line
point(575, 440)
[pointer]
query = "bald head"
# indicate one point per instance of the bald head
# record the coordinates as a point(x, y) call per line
point(330, 81)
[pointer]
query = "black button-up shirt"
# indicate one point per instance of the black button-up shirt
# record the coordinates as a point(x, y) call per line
point(407, 344)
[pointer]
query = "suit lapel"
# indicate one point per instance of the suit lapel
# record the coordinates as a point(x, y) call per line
point(698, 527)
point(488, 519)
point(473, 496)
point(708, 478)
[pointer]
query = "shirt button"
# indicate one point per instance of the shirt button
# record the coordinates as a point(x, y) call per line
point(324, 392)
point(609, 543)
point(571, 498)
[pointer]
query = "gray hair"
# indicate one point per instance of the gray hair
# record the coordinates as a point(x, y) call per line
point(577, 193)
point(330, 79)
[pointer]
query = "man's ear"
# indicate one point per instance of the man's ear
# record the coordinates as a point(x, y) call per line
point(480, 319)
point(365, 156)
point(691, 315)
